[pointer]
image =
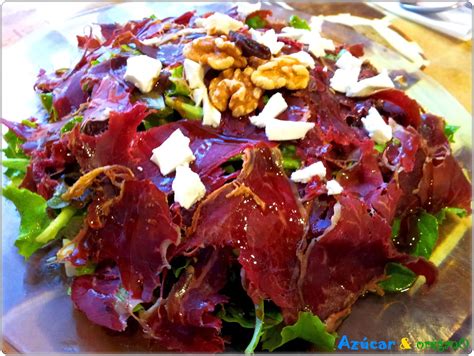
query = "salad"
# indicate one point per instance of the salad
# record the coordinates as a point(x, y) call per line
point(230, 181)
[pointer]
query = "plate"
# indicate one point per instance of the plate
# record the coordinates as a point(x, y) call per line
point(38, 315)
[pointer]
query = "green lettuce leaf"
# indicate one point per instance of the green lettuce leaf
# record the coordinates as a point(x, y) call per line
point(291, 161)
point(15, 159)
point(255, 22)
point(68, 126)
point(298, 22)
point(184, 108)
point(308, 327)
point(427, 226)
point(399, 278)
point(36, 228)
point(441, 216)
point(32, 209)
point(258, 330)
point(449, 131)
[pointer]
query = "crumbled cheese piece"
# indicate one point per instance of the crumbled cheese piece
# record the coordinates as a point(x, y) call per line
point(348, 61)
point(298, 34)
point(347, 73)
point(269, 39)
point(318, 46)
point(274, 107)
point(172, 153)
point(376, 127)
point(187, 187)
point(211, 116)
point(282, 130)
point(369, 86)
point(333, 187)
point(305, 174)
point(246, 8)
point(142, 71)
point(219, 23)
point(194, 73)
point(305, 58)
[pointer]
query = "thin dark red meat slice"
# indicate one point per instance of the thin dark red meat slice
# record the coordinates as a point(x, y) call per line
point(112, 146)
point(96, 296)
point(184, 321)
point(408, 113)
point(340, 265)
point(135, 235)
point(260, 214)
point(402, 154)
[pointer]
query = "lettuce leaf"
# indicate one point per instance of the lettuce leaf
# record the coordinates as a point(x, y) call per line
point(427, 227)
point(34, 219)
point(16, 160)
point(399, 278)
point(308, 327)
point(298, 22)
point(36, 227)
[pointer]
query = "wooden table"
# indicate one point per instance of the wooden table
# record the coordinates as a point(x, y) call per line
point(450, 59)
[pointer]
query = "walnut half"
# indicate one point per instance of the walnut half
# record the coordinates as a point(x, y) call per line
point(284, 71)
point(218, 52)
point(234, 87)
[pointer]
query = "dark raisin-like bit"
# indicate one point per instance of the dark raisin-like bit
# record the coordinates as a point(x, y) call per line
point(250, 47)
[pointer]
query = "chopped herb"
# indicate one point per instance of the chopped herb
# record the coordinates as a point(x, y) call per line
point(399, 278)
point(256, 22)
point(449, 131)
point(298, 22)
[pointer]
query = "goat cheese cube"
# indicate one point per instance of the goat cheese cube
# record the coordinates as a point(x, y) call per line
point(369, 86)
point(269, 39)
point(194, 73)
point(172, 153)
point(274, 107)
point(343, 79)
point(219, 23)
point(211, 116)
point(348, 61)
point(334, 187)
point(187, 187)
point(246, 8)
point(305, 174)
point(376, 127)
point(318, 46)
point(142, 71)
point(305, 58)
point(282, 130)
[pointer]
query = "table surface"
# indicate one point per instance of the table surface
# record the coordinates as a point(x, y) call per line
point(450, 59)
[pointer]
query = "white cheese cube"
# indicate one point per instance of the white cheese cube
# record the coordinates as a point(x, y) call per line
point(142, 71)
point(305, 58)
point(376, 127)
point(172, 153)
point(219, 23)
point(269, 39)
point(211, 116)
point(348, 61)
point(343, 79)
point(318, 46)
point(334, 187)
point(194, 73)
point(297, 34)
point(305, 174)
point(246, 8)
point(274, 107)
point(187, 187)
point(371, 85)
point(281, 130)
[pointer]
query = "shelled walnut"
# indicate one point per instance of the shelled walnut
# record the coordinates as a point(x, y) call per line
point(233, 87)
point(217, 52)
point(284, 71)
